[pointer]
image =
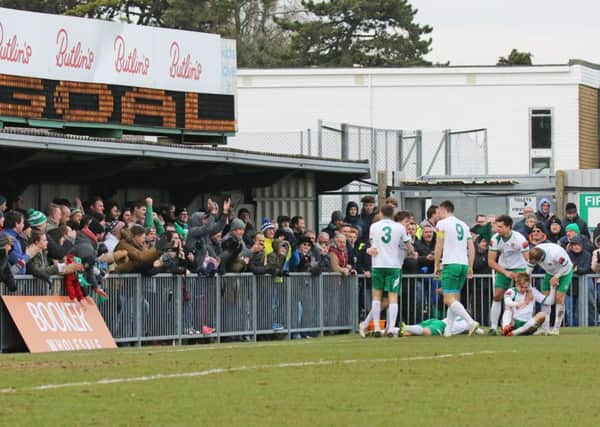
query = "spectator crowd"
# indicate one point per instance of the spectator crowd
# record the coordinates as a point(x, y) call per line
point(85, 243)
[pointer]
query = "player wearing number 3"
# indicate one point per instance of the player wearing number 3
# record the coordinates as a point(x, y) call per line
point(455, 252)
point(390, 244)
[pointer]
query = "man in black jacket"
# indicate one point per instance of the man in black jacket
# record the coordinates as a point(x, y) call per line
point(6, 275)
point(582, 265)
point(425, 248)
point(572, 217)
point(235, 256)
point(366, 216)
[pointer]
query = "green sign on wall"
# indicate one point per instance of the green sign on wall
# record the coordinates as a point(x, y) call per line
point(589, 208)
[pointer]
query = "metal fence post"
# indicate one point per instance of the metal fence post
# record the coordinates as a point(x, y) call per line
point(400, 141)
point(485, 151)
point(374, 162)
point(139, 308)
point(354, 300)
point(320, 138)
point(321, 307)
point(179, 308)
point(448, 152)
point(419, 142)
point(254, 306)
point(288, 297)
point(583, 301)
point(218, 285)
point(344, 154)
point(400, 156)
point(2, 314)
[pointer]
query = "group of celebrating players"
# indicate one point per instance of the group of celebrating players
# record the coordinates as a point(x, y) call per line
point(511, 258)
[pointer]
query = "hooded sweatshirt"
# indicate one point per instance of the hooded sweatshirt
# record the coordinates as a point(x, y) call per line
point(277, 263)
point(354, 220)
point(542, 217)
point(199, 236)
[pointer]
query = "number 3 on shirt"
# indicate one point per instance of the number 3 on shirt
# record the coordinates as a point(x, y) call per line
point(460, 232)
point(387, 234)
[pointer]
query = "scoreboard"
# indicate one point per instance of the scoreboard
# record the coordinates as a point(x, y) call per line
point(80, 103)
point(67, 72)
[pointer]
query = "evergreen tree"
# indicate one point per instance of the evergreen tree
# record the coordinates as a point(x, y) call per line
point(515, 58)
point(45, 6)
point(260, 43)
point(370, 33)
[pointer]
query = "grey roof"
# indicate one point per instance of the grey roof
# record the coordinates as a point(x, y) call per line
point(137, 146)
point(43, 156)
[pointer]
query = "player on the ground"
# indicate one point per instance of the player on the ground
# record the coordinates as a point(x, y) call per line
point(519, 306)
point(389, 246)
point(436, 327)
point(454, 255)
point(514, 252)
point(559, 272)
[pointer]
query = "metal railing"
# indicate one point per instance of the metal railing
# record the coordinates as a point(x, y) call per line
point(421, 300)
point(165, 307)
point(177, 308)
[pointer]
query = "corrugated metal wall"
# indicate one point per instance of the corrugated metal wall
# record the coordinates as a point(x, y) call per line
point(294, 195)
point(581, 181)
point(588, 178)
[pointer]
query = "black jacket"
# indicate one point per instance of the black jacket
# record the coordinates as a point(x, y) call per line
point(6, 275)
point(582, 264)
point(55, 249)
point(199, 240)
point(423, 249)
point(583, 228)
point(480, 263)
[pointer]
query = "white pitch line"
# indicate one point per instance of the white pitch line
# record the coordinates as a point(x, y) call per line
point(204, 347)
point(246, 346)
point(215, 371)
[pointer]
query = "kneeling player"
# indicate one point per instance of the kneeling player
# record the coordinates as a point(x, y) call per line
point(519, 306)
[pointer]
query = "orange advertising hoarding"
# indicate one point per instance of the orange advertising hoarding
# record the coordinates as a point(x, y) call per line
point(58, 324)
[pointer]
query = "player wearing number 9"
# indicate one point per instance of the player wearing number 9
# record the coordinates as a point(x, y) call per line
point(454, 255)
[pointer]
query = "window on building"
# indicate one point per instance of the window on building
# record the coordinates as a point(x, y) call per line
point(540, 166)
point(541, 129)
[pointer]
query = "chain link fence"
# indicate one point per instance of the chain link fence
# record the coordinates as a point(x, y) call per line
point(455, 153)
point(403, 154)
point(302, 142)
point(468, 152)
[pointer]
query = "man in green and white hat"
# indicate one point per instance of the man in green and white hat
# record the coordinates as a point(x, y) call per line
point(37, 220)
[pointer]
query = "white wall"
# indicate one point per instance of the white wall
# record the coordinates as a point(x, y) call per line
point(498, 100)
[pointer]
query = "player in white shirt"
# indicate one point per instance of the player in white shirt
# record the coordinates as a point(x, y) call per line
point(454, 255)
point(559, 272)
point(389, 246)
point(519, 306)
point(513, 250)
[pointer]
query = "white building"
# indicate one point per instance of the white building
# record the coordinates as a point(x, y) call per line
point(538, 118)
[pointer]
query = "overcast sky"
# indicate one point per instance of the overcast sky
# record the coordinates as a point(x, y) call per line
point(477, 32)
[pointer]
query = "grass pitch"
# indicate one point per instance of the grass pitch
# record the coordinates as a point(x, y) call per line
point(343, 380)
